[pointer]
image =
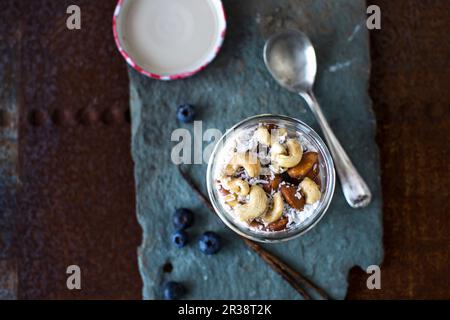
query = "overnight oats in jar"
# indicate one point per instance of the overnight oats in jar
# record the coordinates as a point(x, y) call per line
point(271, 178)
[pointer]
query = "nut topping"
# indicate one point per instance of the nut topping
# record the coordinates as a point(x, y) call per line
point(311, 191)
point(278, 225)
point(262, 135)
point(277, 209)
point(256, 206)
point(314, 175)
point(269, 179)
point(250, 163)
point(307, 163)
point(273, 184)
point(293, 197)
point(294, 156)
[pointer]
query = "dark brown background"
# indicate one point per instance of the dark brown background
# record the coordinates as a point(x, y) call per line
point(77, 205)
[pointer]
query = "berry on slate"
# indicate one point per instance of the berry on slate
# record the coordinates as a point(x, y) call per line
point(183, 219)
point(174, 291)
point(210, 243)
point(186, 113)
point(180, 239)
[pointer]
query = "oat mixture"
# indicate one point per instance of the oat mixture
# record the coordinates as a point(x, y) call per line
point(269, 178)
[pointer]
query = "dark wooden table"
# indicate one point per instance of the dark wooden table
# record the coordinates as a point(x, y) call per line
point(410, 88)
point(76, 195)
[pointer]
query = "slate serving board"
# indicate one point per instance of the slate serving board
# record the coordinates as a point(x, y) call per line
point(235, 86)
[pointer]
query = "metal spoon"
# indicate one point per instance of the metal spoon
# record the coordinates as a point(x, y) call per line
point(291, 59)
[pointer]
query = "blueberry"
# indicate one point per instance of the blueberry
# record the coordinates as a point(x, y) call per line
point(180, 239)
point(183, 219)
point(210, 243)
point(174, 290)
point(186, 113)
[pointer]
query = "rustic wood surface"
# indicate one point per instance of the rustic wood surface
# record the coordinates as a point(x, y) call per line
point(77, 202)
point(410, 90)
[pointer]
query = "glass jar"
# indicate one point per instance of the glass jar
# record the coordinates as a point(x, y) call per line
point(327, 179)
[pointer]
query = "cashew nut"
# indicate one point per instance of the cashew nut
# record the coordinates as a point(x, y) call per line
point(236, 185)
point(277, 148)
point(262, 135)
point(255, 207)
point(249, 162)
point(275, 168)
point(277, 210)
point(311, 191)
point(282, 132)
point(278, 135)
point(295, 153)
point(275, 151)
point(231, 200)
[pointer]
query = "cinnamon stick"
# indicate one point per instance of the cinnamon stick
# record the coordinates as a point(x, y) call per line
point(294, 278)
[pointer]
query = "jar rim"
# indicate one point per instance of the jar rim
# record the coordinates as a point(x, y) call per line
point(277, 236)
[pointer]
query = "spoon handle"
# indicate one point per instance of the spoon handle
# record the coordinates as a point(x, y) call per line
point(355, 190)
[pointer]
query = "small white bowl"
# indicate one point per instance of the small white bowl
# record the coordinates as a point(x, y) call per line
point(169, 39)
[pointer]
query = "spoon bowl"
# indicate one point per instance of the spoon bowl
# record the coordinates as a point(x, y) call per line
point(291, 59)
